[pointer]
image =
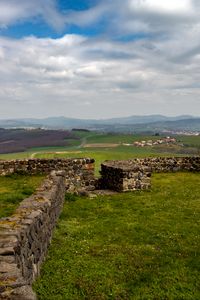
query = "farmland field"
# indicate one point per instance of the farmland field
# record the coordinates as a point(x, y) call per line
point(118, 138)
point(16, 140)
point(190, 141)
point(77, 148)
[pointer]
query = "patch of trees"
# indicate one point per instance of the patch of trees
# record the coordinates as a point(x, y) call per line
point(80, 129)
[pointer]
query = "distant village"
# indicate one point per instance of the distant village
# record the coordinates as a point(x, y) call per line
point(150, 143)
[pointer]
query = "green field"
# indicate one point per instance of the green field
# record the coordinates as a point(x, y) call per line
point(190, 141)
point(142, 245)
point(118, 138)
point(15, 188)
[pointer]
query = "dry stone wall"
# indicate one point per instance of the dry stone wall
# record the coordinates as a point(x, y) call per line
point(25, 236)
point(169, 164)
point(79, 172)
point(135, 174)
point(124, 176)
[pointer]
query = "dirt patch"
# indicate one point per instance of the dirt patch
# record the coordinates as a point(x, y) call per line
point(68, 152)
point(57, 152)
point(6, 142)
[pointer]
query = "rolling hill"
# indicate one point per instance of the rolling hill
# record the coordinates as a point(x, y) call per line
point(126, 124)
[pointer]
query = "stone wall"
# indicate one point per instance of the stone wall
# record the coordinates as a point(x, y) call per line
point(25, 236)
point(135, 174)
point(79, 172)
point(169, 164)
point(124, 176)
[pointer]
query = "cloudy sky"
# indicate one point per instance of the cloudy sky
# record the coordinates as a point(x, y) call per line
point(99, 58)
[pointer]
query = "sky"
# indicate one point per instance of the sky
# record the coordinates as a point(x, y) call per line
point(99, 58)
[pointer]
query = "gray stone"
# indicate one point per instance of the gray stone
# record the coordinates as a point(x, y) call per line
point(20, 293)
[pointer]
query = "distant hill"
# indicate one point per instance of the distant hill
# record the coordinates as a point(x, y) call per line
point(184, 124)
point(132, 123)
point(142, 119)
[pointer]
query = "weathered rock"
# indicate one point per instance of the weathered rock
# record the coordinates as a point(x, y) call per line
point(25, 236)
point(20, 293)
point(124, 176)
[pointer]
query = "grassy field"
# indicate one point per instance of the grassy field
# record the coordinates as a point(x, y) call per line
point(20, 155)
point(142, 245)
point(190, 141)
point(118, 138)
point(15, 188)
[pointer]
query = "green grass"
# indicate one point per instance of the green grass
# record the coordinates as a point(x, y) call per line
point(15, 188)
point(20, 155)
point(142, 245)
point(119, 138)
point(190, 141)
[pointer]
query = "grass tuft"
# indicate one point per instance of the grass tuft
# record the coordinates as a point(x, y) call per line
point(13, 189)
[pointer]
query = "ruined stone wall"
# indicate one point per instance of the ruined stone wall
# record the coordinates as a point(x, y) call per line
point(169, 164)
point(135, 174)
point(123, 176)
point(79, 172)
point(25, 236)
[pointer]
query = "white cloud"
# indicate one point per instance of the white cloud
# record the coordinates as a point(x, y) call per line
point(86, 17)
point(44, 77)
point(12, 11)
point(103, 75)
point(91, 70)
point(169, 6)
